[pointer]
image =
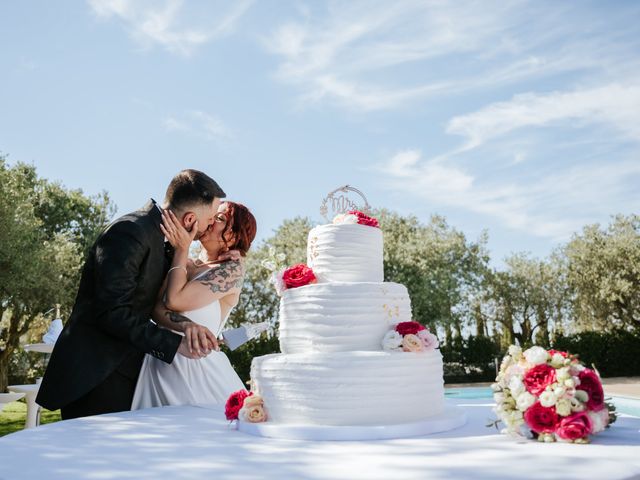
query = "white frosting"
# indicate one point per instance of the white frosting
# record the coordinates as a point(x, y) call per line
point(345, 253)
point(350, 388)
point(341, 316)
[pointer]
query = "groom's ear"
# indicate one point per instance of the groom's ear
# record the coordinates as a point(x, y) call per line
point(188, 219)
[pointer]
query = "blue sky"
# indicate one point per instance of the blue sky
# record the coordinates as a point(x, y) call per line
point(518, 117)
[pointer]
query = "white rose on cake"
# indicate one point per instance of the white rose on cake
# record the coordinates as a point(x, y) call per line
point(392, 341)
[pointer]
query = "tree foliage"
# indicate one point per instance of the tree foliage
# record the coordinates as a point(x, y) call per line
point(44, 232)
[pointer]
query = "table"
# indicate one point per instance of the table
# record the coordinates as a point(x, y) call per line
point(33, 409)
point(6, 398)
point(39, 347)
point(197, 443)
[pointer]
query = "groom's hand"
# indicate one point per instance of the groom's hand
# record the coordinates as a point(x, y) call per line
point(200, 339)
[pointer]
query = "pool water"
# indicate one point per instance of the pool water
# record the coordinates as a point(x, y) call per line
point(626, 405)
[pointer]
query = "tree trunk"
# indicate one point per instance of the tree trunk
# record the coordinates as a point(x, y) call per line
point(5, 356)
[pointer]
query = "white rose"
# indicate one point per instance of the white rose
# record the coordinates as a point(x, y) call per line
point(515, 351)
point(559, 391)
point(557, 360)
point(582, 396)
point(392, 341)
point(576, 405)
point(562, 374)
point(498, 397)
point(563, 407)
point(516, 386)
point(570, 383)
point(548, 399)
point(536, 355)
point(599, 419)
point(525, 400)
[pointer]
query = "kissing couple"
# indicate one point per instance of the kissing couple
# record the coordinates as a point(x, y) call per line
point(143, 330)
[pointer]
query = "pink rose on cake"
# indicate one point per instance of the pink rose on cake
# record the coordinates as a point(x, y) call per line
point(345, 218)
point(364, 219)
point(298, 276)
point(411, 343)
point(253, 410)
point(409, 337)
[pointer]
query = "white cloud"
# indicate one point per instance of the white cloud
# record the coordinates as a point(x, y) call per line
point(170, 24)
point(198, 123)
point(613, 105)
point(369, 55)
point(552, 205)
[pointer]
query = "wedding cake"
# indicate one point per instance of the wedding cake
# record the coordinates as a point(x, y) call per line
point(351, 354)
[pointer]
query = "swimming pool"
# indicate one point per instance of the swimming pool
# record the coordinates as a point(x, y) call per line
point(626, 405)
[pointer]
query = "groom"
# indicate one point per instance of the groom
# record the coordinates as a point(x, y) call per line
point(96, 361)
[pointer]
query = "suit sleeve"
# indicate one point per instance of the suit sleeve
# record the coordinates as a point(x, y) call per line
point(118, 260)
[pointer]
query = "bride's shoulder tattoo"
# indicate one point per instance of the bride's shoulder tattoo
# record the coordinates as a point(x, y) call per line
point(224, 277)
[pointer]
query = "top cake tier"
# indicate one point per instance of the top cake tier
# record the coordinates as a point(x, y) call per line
point(345, 253)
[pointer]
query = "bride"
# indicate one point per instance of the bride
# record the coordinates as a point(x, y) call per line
point(205, 292)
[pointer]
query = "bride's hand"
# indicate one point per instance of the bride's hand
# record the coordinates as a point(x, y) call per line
point(176, 234)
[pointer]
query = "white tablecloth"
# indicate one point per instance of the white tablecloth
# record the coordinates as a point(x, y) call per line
point(197, 443)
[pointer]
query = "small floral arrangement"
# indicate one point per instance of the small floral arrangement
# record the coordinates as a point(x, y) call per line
point(245, 406)
point(355, 217)
point(550, 394)
point(409, 337)
point(293, 277)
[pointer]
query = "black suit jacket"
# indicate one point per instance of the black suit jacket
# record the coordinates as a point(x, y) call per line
point(110, 328)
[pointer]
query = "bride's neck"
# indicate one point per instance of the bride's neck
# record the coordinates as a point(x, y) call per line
point(210, 255)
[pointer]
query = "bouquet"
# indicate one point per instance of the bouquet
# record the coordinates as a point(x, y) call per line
point(409, 337)
point(550, 394)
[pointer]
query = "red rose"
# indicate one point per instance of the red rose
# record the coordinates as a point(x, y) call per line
point(590, 383)
point(298, 276)
point(364, 219)
point(537, 378)
point(235, 403)
point(553, 352)
point(406, 328)
point(541, 419)
point(575, 426)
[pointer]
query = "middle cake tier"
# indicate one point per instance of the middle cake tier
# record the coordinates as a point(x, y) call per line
point(341, 316)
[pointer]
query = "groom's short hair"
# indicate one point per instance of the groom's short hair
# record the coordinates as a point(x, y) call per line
point(190, 188)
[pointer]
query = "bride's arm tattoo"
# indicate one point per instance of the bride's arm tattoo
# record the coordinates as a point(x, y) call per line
point(224, 277)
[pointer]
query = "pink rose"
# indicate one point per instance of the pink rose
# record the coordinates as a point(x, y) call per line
point(298, 276)
point(406, 328)
point(429, 340)
point(590, 383)
point(364, 219)
point(411, 343)
point(536, 379)
point(574, 427)
point(235, 403)
point(541, 419)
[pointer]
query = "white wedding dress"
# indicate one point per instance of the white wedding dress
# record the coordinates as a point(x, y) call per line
point(185, 381)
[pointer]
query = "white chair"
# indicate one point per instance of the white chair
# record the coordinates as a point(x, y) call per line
point(6, 398)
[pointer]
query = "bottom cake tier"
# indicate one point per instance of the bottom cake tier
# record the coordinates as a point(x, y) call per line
point(350, 388)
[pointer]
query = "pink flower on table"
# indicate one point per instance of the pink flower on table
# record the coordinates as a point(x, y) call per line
point(537, 378)
point(590, 383)
point(406, 328)
point(574, 427)
point(541, 419)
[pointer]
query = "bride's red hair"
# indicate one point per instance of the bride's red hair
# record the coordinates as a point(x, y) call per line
point(242, 223)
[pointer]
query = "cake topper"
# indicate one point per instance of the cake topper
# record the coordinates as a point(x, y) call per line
point(339, 202)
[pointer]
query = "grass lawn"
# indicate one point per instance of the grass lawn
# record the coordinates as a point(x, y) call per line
point(15, 413)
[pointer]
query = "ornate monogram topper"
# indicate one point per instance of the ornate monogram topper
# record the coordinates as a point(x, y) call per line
point(338, 202)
